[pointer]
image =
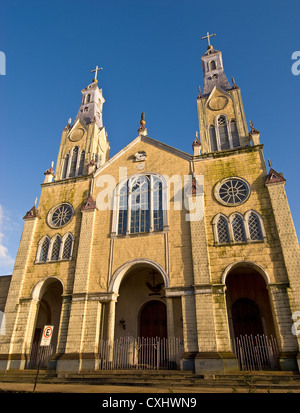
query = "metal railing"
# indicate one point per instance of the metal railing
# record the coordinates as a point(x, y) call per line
point(39, 356)
point(140, 353)
point(256, 352)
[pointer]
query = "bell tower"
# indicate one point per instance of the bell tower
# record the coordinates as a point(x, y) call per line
point(84, 145)
point(222, 121)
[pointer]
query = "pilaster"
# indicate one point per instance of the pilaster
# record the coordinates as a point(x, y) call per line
point(74, 347)
point(10, 342)
point(275, 184)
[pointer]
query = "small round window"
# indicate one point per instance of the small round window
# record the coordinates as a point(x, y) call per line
point(60, 215)
point(232, 191)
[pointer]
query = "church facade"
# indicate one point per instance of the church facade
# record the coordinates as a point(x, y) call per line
point(157, 244)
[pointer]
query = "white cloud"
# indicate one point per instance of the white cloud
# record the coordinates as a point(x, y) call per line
point(5, 259)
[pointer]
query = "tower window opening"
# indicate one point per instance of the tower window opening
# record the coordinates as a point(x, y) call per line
point(224, 134)
point(212, 65)
point(65, 168)
point(74, 161)
point(234, 134)
point(213, 139)
point(81, 163)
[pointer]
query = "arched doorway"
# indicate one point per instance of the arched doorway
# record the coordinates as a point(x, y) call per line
point(49, 292)
point(246, 318)
point(136, 323)
point(153, 320)
point(250, 318)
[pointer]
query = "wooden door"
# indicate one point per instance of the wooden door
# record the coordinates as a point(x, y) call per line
point(246, 318)
point(153, 320)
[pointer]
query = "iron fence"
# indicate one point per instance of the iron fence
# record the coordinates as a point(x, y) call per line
point(39, 356)
point(140, 353)
point(256, 352)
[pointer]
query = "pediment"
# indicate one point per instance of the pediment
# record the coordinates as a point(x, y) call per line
point(77, 131)
point(218, 99)
point(149, 141)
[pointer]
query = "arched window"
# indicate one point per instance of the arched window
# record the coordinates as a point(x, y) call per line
point(123, 205)
point(212, 65)
point(222, 230)
point(157, 204)
point(65, 167)
point(223, 132)
point(238, 228)
point(56, 248)
point(213, 138)
point(73, 163)
point(81, 163)
point(140, 205)
point(88, 98)
point(43, 249)
point(234, 134)
point(74, 158)
point(67, 247)
point(255, 227)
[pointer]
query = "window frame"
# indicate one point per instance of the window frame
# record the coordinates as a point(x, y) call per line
point(260, 220)
point(216, 126)
point(51, 211)
point(222, 182)
point(216, 232)
point(51, 242)
point(67, 163)
point(116, 204)
point(245, 219)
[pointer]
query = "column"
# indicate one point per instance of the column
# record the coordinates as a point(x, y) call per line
point(111, 319)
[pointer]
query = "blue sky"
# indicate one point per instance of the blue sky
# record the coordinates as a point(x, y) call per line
point(150, 51)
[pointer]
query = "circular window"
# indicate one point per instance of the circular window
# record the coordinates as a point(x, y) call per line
point(232, 191)
point(60, 215)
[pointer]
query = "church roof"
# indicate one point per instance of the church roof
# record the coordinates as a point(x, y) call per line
point(274, 177)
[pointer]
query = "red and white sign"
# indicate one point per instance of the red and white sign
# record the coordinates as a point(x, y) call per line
point(47, 335)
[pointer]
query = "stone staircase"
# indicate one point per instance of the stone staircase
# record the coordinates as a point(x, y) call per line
point(279, 380)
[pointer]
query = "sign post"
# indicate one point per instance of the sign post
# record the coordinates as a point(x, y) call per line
point(45, 342)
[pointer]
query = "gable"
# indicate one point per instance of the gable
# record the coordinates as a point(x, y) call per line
point(219, 102)
point(138, 145)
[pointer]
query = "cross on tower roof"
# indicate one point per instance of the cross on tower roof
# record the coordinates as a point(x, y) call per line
point(208, 38)
point(96, 71)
